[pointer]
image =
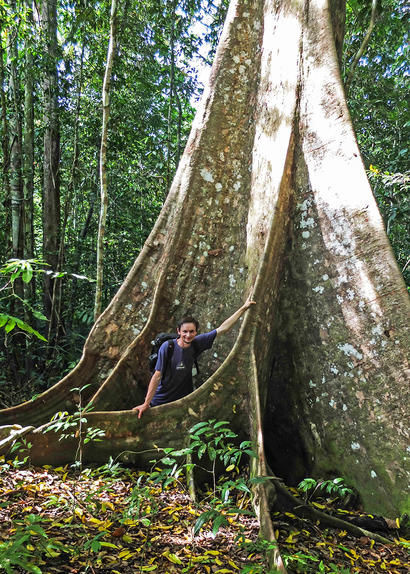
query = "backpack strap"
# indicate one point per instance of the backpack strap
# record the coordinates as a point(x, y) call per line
point(169, 354)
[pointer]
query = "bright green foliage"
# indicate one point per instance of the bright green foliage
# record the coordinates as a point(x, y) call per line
point(335, 488)
point(393, 195)
point(22, 448)
point(12, 271)
point(378, 95)
point(29, 543)
point(212, 438)
point(378, 101)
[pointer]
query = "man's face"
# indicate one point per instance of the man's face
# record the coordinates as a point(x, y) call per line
point(186, 333)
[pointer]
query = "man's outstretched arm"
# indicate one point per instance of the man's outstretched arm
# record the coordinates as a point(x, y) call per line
point(152, 387)
point(230, 322)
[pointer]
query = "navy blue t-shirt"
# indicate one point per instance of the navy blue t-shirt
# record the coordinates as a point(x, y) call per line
point(177, 382)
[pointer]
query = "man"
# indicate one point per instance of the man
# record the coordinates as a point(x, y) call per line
point(175, 381)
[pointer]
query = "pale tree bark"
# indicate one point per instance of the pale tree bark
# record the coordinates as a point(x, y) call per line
point(16, 182)
point(103, 158)
point(270, 191)
point(15, 143)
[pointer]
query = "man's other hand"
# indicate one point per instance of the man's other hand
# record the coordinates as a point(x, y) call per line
point(140, 409)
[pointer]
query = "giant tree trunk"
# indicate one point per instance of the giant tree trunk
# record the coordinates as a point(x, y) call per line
point(270, 191)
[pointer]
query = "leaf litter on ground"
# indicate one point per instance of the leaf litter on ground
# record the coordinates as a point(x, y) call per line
point(56, 520)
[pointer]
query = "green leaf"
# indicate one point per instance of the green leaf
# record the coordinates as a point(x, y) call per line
point(202, 519)
point(39, 315)
point(201, 431)
point(201, 450)
point(173, 558)
point(218, 522)
point(95, 545)
point(109, 545)
point(27, 274)
point(211, 452)
point(168, 461)
point(220, 424)
point(28, 329)
point(251, 453)
point(11, 323)
point(182, 452)
point(197, 426)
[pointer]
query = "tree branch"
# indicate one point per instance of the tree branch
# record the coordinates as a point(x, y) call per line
point(362, 46)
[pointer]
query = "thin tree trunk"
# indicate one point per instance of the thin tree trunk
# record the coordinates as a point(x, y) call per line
point(363, 46)
point(179, 129)
point(28, 177)
point(6, 156)
point(28, 158)
point(51, 160)
point(103, 159)
point(57, 299)
point(16, 183)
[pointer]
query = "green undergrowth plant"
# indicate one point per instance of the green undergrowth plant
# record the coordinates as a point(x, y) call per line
point(28, 544)
point(335, 488)
point(212, 444)
point(21, 450)
point(212, 448)
point(73, 426)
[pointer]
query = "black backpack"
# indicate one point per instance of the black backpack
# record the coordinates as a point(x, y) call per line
point(156, 344)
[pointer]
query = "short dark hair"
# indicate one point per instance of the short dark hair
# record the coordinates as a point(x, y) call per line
point(188, 320)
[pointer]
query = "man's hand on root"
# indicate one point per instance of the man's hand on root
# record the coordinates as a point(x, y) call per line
point(140, 409)
point(249, 301)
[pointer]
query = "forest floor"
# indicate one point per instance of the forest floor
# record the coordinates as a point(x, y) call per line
point(116, 520)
